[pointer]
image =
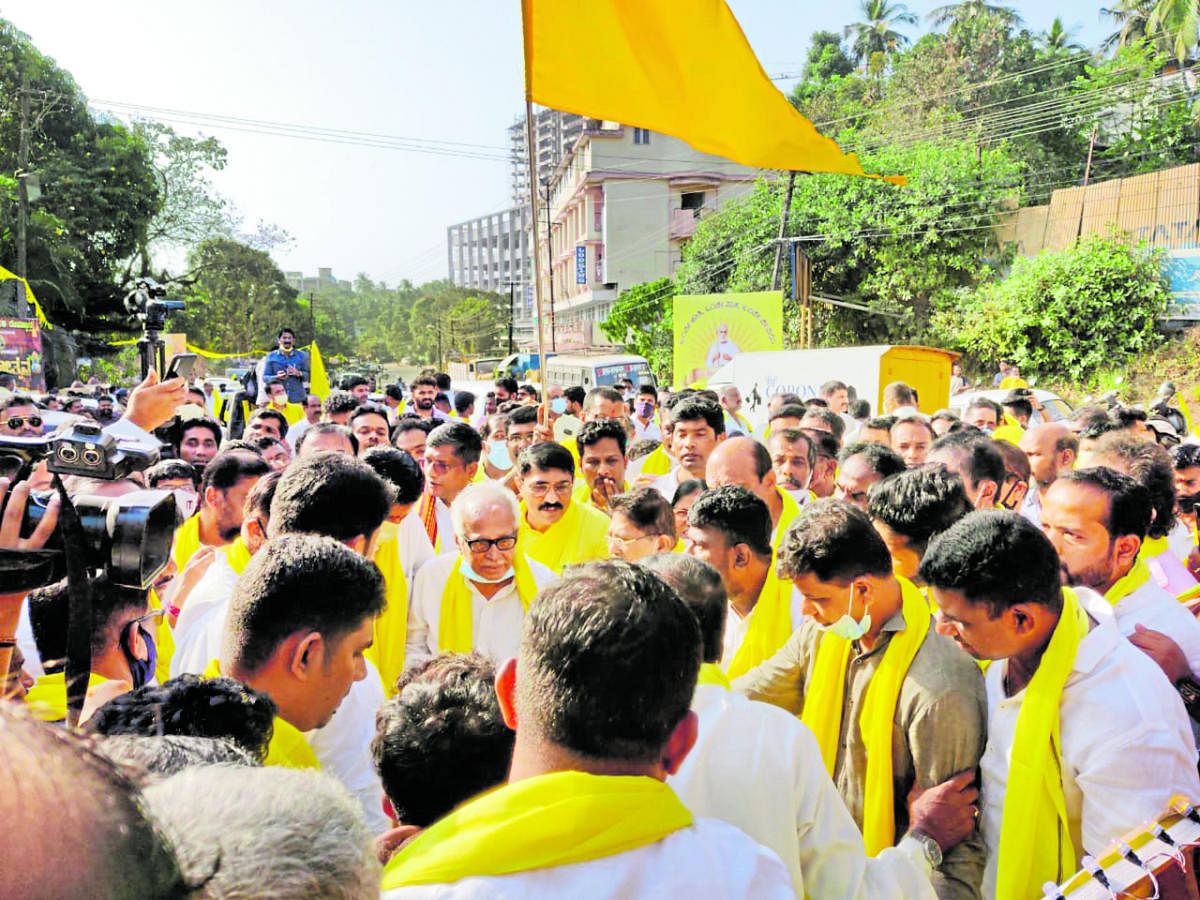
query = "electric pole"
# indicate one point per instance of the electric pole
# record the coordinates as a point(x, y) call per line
point(512, 313)
point(22, 188)
point(312, 316)
point(783, 224)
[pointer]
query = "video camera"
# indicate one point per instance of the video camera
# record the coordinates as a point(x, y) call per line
point(128, 536)
point(148, 302)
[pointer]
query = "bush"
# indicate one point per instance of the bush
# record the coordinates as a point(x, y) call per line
point(1069, 313)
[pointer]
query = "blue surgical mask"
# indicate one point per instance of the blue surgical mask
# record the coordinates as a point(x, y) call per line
point(465, 570)
point(847, 627)
point(498, 455)
point(140, 670)
point(558, 405)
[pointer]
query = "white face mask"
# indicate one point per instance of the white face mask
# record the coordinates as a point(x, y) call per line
point(498, 455)
point(465, 570)
point(846, 627)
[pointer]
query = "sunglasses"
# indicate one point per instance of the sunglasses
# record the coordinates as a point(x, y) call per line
point(15, 422)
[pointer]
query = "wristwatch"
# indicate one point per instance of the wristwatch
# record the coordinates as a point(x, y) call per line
point(931, 848)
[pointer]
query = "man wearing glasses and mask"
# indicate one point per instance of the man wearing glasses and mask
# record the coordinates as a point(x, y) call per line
point(475, 597)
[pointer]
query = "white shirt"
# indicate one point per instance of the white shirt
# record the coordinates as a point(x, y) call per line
point(1152, 607)
point(667, 484)
point(708, 859)
point(201, 624)
point(296, 431)
point(1127, 746)
point(1181, 540)
point(413, 545)
point(759, 768)
point(495, 622)
point(736, 626)
point(649, 431)
point(1031, 507)
point(412, 530)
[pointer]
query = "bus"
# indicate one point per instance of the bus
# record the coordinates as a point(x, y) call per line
point(588, 372)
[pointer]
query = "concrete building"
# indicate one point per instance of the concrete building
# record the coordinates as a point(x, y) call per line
point(554, 133)
point(491, 251)
point(623, 204)
point(323, 279)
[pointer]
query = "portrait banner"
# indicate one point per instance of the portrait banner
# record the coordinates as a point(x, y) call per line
point(711, 329)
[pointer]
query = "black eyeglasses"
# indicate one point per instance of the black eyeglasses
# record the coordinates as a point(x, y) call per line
point(483, 545)
point(15, 422)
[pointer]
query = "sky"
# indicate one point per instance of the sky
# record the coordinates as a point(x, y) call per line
point(446, 75)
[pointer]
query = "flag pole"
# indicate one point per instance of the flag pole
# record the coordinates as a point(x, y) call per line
point(531, 150)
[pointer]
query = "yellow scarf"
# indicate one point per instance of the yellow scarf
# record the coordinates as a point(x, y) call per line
point(741, 420)
point(456, 630)
point(164, 641)
point(540, 823)
point(1128, 583)
point(710, 673)
point(288, 747)
point(658, 462)
point(1035, 840)
point(770, 625)
point(47, 699)
point(825, 697)
point(237, 555)
point(187, 541)
point(579, 536)
point(791, 509)
point(391, 628)
point(1152, 547)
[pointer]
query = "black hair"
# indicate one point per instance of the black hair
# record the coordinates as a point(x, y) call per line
point(985, 403)
point(369, 409)
point(880, 423)
point(459, 436)
point(827, 446)
point(239, 444)
point(701, 589)
point(1129, 507)
point(169, 470)
point(265, 442)
point(186, 425)
point(647, 390)
point(399, 469)
point(48, 616)
point(859, 409)
point(331, 494)
point(442, 380)
point(1127, 416)
point(601, 393)
point(283, 331)
point(791, 435)
point(829, 388)
point(575, 394)
point(442, 739)
point(608, 662)
point(1087, 414)
point(522, 415)
point(393, 392)
point(193, 706)
point(980, 457)
point(901, 393)
point(258, 501)
point(1097, 428)
point(915, 420)
point(642, 447)
point(326, 428)
point(229, 467)
point(545, 456)
point(1016, 461)
point(280, 419)
point(509, 385)
point(1021, 406)
point(1186, 456)
point(531, 391)
point(789, 411)
point(699, 409)
point(836, 423)
point(738, 514)
point(596, 430)
point(997, 558)
point(413, 423)
point(463, 400)
point(881, 459)
point(919, 503)
point(298, 582)
point(339, 402)
point(647, 509)
point(350, 382)
point(687, 488)
point(834, 541)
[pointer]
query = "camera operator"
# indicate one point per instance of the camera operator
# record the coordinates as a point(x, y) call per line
point(11, 540)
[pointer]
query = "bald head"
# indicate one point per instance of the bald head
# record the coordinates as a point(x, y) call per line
point(743, 461)
point(1051, 448)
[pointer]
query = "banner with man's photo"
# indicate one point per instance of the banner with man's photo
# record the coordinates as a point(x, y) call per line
point(21, 353)
point(710, 329)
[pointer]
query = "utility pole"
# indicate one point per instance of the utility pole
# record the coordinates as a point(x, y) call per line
point(512, 312)
point(550, 266)
point(22, 188)
point(312, 316)
point(783, 224)
point(1087, 169)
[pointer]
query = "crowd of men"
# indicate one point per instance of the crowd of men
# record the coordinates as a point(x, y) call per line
point(609, 643)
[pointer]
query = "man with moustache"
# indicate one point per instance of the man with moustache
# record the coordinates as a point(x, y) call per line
point(554, 530)
point(424, 391)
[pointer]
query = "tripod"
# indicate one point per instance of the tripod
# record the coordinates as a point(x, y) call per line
point(152, 352)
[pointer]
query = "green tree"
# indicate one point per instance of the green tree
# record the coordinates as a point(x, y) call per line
point(827, 58)
point(1131, 17)
point(1176, 23)
point(1059, 37)
point(953, 13)
point(1070, 313)
point(877, 32)
point(642, 321)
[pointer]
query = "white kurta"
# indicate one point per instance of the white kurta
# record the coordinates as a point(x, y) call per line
point(736, 626)
point(709, 859)
point(1181, 540)
point(668, 484)
point(413, 543)
point(495, 622)
point(1152, 607)
point(649, 431)
point(1127, 745)
point(201, 624)
point(412, 529)
point(759, 768)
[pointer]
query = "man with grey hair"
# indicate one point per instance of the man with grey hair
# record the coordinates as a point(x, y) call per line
point(759, 768)
point(475, 597)
point(270, 832)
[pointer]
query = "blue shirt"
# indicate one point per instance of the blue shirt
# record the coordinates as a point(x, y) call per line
point(277, 363)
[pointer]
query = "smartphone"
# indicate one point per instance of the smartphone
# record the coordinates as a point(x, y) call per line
point(181, 366)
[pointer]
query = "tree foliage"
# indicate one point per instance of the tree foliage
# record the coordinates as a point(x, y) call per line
point(1066, 313)
point(642, 320)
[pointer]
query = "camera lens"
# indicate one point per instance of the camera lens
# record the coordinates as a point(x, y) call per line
point(67, 453)
point(92, 456)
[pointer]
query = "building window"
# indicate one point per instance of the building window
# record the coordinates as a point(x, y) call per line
point(641, 136)
point(693, 200)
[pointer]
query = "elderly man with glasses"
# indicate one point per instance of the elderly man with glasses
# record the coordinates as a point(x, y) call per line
point(475, 597)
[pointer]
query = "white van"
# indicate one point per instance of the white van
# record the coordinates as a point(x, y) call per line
point(588, 372)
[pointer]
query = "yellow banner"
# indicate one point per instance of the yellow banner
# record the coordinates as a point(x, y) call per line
point(711, 329)
point(41, 316)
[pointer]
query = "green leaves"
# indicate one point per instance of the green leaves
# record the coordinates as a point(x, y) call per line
point(642, 320)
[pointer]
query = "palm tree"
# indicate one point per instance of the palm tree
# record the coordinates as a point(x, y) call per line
point(876, 34)
point(1131, 16)
point(1177, 24)
point(973, 9)
point(1059, 37)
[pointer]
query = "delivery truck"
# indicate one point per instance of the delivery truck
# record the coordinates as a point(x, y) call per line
point(760, 376)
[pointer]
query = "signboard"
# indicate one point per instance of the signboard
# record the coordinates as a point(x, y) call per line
point(1182, 270)
point(581, 265)
point(710, 329)
point(21, 353)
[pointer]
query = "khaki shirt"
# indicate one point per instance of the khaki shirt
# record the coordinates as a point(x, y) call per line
point(940, 728)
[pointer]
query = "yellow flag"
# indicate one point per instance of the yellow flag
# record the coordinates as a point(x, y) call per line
point(681, 69)
point(37, 309)
point(318, 381)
